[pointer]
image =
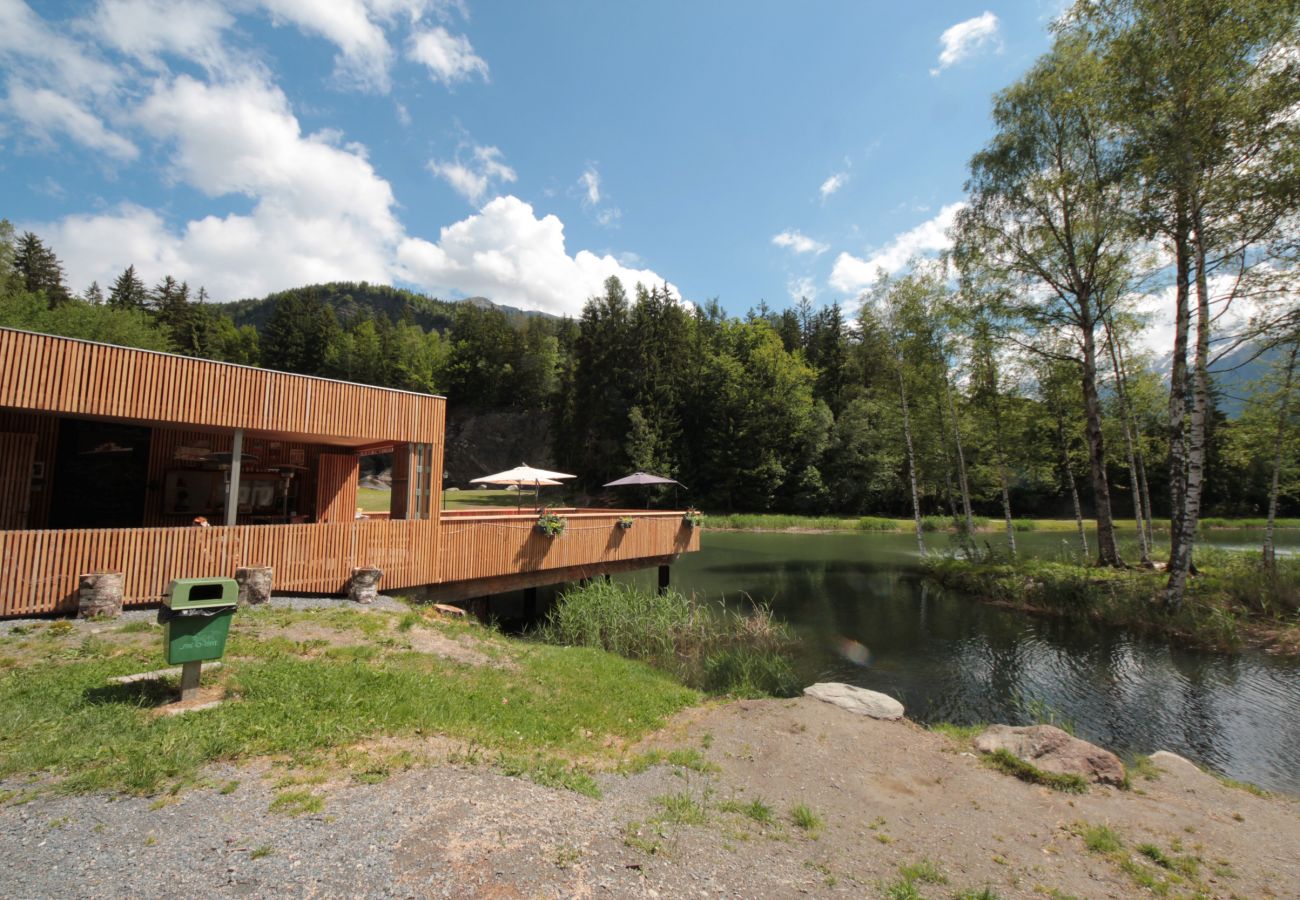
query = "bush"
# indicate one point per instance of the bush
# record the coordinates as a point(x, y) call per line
point(710, 648)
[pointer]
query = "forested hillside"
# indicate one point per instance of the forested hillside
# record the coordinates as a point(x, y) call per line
point(797, 410)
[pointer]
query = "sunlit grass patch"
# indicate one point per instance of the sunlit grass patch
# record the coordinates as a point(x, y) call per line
point(288, 697)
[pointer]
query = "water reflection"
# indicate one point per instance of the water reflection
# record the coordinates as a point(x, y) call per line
point(865, 618)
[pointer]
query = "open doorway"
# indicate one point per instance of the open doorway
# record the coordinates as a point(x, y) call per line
point(375, 486)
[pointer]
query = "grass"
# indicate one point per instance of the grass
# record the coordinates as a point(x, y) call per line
point(754, 810)
point(681, 809)
point(1232, 597)
point(802, 816)
point(297, 803)
point(1148, 866)
point(685, 757)
point(906, 886)
point(261, 852)
point(715, 650)
point(787, 522)
point(1009, 764)
point(61, 715)
point(959, 734)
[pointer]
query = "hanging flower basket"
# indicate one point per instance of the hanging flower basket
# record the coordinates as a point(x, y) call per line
point(693, 518)
point(551, 525)
point(626, 523)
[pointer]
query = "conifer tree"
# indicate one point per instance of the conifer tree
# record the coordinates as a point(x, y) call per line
point(40, 270)
point(128, 291)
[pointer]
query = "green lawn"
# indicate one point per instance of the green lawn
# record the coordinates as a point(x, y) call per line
point(375, 500)
point(311, 687)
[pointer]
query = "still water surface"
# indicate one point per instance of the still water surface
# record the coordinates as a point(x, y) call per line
point(950, 659)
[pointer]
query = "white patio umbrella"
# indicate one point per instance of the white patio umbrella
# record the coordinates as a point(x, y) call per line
point(524, 476)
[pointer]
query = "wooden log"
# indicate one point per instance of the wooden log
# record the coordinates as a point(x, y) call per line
point(254, 584)
point(364, 585)
point(99, 595)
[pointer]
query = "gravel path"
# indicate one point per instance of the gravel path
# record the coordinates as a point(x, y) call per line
point(887, 794)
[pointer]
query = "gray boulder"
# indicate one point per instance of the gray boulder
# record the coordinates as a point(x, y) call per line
point(1053, 750)
point(857, 700)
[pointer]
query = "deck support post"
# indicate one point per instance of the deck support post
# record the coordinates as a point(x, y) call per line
point(232, 486)
point(530, 603)
point(480, 608)
point(664, 573)
point(191, 672)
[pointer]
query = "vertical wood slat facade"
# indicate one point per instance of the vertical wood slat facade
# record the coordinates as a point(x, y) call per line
point(60, 375)
point(336, 487)
point(17, 452)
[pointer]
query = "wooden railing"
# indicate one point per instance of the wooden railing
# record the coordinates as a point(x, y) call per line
point(39, 569)
point(498, 543)
point(61, 375)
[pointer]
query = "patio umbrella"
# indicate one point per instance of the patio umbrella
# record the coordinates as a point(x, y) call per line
point(522, 476)
point(644, 478)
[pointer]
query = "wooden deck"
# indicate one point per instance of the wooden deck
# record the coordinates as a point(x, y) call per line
point(65, 404)
point(465, 555)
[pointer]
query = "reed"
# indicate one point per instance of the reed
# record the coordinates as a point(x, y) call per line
point(711, 648)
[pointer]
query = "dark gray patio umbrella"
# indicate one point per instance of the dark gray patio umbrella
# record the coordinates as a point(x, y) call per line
point(646, 479)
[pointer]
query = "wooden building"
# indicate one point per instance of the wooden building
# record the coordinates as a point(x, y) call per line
point(109, 455)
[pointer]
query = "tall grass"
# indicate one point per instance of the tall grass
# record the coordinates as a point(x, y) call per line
point(713, 649)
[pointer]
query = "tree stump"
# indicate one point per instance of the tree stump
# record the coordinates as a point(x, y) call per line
point(364, 586)
point(99, 594)
point(254, 584)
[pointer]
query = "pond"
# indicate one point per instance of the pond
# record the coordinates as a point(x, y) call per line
point(865, 618)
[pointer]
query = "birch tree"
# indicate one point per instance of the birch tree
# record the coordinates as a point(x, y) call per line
point(1047, 211)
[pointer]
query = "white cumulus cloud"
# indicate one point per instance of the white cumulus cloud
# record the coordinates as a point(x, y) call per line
point(852, 274)
point(799, 243)
point(319, 211)
point(833, 184)
point(151, 29)
point(448, 57)
point(507, 253)
point(47, 114)
point(473, 178)
point(964, 38)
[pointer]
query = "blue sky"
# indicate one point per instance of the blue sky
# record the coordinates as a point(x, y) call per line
point(523, 151)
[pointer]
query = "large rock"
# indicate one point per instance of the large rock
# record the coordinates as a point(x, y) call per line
point(857, 700)
point(1053, 750)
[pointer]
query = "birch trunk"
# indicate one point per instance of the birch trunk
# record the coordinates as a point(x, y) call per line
point(1180, 557)
point(911, 460)
point(1107, 552)
point(1002, 477)
point(1074, 490)
point(962, 481)
point(1125, 416)
point(1270, 558)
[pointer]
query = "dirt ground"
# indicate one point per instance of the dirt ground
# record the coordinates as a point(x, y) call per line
point(879, 797)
